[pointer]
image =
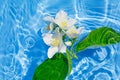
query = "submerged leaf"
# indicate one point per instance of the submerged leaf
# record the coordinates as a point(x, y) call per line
point(55, 68)
point(99, 37)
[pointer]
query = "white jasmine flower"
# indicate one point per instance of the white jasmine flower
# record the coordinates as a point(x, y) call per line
point(55, 42)
point(73, 32)
point(62, 20)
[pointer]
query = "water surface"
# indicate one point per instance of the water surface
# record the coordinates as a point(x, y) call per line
point(22, 48)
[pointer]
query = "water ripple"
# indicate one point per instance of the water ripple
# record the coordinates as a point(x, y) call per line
point(22, 47)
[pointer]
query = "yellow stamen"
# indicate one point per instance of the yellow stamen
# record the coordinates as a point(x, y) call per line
point(55, 42)
point(64, 24)
point(73, 31)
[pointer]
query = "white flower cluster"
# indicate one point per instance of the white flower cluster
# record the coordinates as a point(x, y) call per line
point(65, 26)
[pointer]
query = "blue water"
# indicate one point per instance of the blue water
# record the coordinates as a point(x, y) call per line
point(22, 48)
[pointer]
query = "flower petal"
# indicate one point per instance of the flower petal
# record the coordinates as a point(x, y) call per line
point(80, 29)
point(57, 34)
point(47, 38)
point(52, 51)
point(72, 32)
point(51, 26)
point(61, 15)
point(62, 48)
point(48, 18)
point(71, 22)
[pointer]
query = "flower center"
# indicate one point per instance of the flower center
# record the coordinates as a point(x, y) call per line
point(73, 31)
point(55, 42)
point(64, 24)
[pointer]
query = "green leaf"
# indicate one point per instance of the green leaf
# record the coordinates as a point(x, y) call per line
point(55, 68)
point(99, 37)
